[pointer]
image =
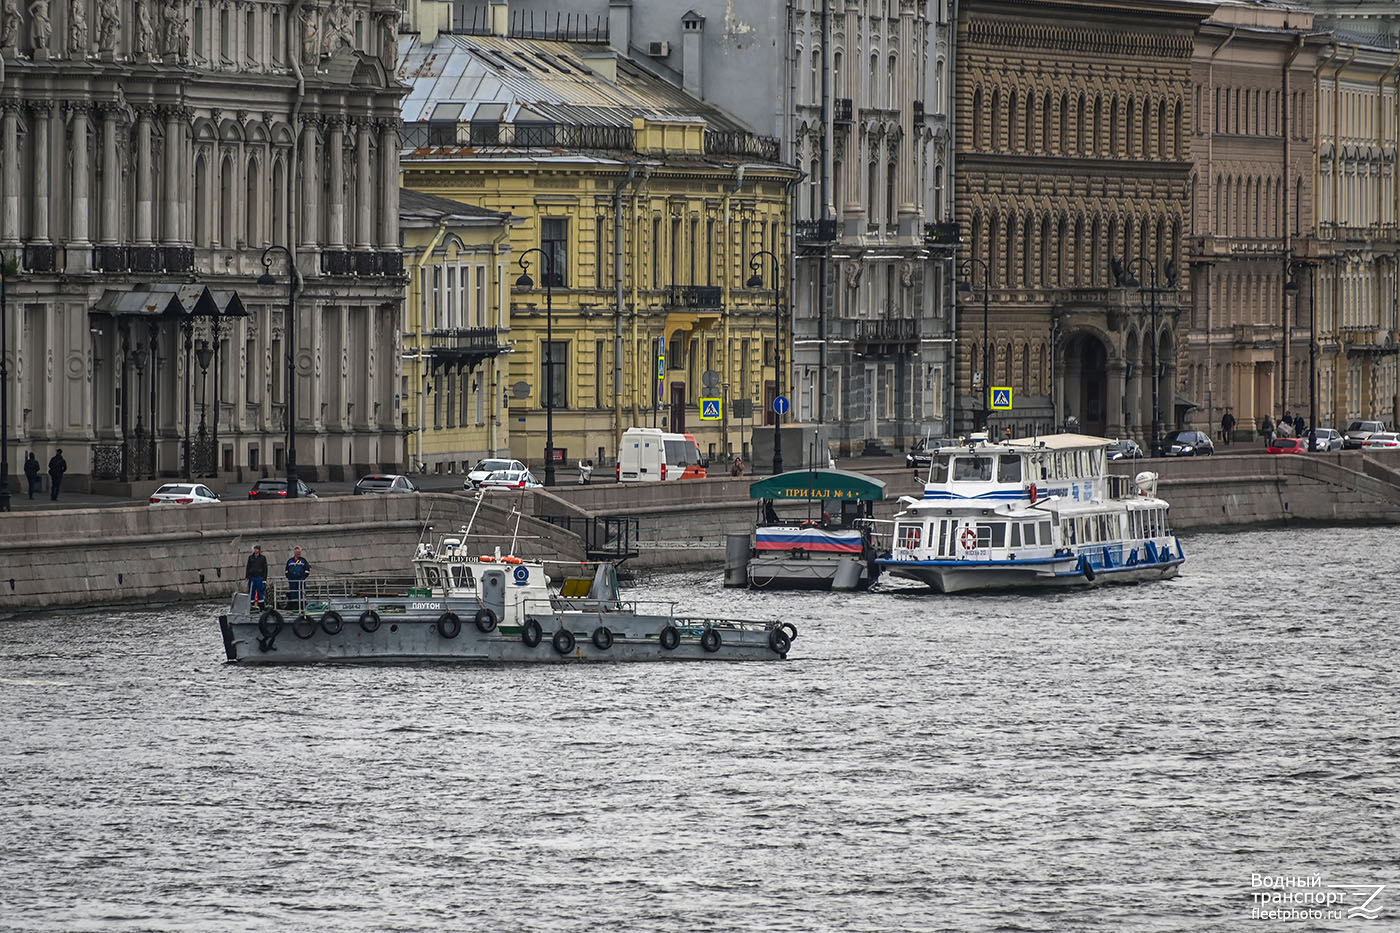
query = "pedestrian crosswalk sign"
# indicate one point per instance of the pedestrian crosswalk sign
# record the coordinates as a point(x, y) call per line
point(710, 409)
point(1001, 398)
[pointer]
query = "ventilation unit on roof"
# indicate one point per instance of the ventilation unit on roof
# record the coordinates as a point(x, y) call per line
point(658, 49)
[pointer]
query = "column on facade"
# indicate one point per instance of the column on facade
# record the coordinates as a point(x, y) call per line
point(174, 139)
point(1114, 414)
point(142, 161)
point(851, 166)
point(111, 176)
point(364, 186)
point(78, 233)
point(9, 141)
point(906, 175)
point(335, 234)
point(310, 186)
point(389, 185)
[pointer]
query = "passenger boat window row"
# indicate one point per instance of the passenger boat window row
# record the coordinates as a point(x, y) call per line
point(1008, 468)
point(909, 536)
point(1088, 529)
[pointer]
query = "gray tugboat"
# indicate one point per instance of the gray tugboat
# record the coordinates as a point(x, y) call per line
point(463, 606)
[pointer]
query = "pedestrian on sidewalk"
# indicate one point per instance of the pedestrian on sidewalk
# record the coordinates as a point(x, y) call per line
point(255, 572)
point(31, 472)
point(298, 569)
point(585, 472)
point(57, 467)
point(1227, 427)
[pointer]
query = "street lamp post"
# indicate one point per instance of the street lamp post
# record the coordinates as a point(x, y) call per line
point(4, 391)
point(1131, 281)
point(292, 277)
point(526, 282)
point(1293, 289)
point(965, 285)
point(756, 281)
point(204, 355)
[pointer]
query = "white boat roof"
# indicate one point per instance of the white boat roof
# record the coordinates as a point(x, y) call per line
point(1058, 441)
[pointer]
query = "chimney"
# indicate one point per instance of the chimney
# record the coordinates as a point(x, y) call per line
point(620, 26)
point(603, 63)
point(500, 17)
point(692, 31)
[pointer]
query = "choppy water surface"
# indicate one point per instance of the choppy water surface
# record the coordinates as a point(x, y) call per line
point(1118, 759)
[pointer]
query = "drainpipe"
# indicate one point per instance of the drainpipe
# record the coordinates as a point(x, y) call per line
point(494, 286)
point(636, 278)
point(619, 287)
point(418, 342)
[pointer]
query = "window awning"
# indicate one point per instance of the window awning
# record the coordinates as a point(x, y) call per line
point(819, 484)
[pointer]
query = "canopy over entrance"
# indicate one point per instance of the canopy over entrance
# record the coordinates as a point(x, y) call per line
point(819, 484)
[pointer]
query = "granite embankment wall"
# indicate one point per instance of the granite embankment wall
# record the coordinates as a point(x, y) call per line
point(685, 523)
point(80, 557)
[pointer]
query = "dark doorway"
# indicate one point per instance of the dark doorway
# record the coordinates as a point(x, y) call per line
point(678, 407)
point(1086, 383)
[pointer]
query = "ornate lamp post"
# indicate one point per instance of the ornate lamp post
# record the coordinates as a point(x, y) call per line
point(4, 391)
point(1129, 280)
point(756, 281)
point(526, 282)
point(965, 286)
point(292, 279)
point(138, 359)
point(1292, 288)
point(204, 354)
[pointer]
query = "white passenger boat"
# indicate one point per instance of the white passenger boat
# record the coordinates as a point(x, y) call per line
point(1032, 512)
point(465, 606)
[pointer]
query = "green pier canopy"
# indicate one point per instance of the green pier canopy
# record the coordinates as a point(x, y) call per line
point(819, 484)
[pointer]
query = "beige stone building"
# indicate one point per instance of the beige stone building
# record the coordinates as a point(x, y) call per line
point(150, 152)
point(1073, 172)
point(1251, 214)
point(1358, 203)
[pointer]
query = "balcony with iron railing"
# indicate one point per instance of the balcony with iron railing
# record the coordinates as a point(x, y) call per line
point(694, 297)
point(815, 231)
point(463, 344)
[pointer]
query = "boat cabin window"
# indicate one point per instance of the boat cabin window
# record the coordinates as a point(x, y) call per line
point(1045, 532)
point(972, 470)
point(1009, 468)
point(1015, 534)
point(1067, 532)
point(938, 470)
point(909, 536)
point(991, 534)
point(1028, 533)
point(462, 577)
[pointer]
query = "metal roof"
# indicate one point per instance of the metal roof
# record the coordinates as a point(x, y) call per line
point(495, 77)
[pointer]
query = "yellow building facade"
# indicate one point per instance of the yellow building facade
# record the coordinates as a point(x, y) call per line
point(456, 333)
point(634, 250)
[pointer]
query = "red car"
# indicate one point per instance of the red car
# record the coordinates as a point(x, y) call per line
point(1288, 445)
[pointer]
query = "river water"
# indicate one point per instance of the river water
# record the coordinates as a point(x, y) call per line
point(1125, 758)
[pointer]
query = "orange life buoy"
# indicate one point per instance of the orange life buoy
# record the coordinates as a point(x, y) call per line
point(969, 538)
point(487, 560)
point(512, 560)
point(1035, 494)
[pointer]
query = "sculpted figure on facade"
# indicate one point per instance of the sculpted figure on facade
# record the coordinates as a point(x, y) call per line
point(40, 28)
point(340, 32)
point(78, 28)
point(389, 37)
point(109, 22)
point(9, 31)
point(145, 37)
point(311, 37)
point(176, 41)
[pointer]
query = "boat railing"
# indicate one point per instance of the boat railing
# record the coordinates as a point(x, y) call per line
point(1120, 487)
point(700, 623)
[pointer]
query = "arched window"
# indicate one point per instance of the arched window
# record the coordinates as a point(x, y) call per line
point(1096, 145)
point(253, 205)
point(892, 84)
point(277, 223)
point(872, 193)
point(1030, 122)
point(1027, 254)
point(838, 82)
point(1080, 125)
point(1163, 151)
point(1097, 261)
point(201, 196)
point(1147, 152)
point(1177, 147)
point(1063, 234)
point(1077, 253)
point(1114, 146)
point(1010, 250)
point(978, 125)
point(976, 246)
point(1025, 368)
point(891, 207)
point(1130, 128)
point(1045, 250)
point(872, 92)
point(993, 247)
point(996, 119)
point(1012, 114)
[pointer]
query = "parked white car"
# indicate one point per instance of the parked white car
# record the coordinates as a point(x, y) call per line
point(1381, 439)
point(183, 494)
point(510, 479)
point(485, 468)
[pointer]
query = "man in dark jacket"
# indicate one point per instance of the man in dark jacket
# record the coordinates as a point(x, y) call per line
point(57, 467)
point(298, 569)
point(256, 575)
point(31, 472)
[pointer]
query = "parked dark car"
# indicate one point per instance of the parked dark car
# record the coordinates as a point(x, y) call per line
point(277, 489)
point(1187, 444)
point(384, 482)
point(1124, 449)
point(921, 454)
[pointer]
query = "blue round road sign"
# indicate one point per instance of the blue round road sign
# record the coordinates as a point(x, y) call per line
point(781, 405)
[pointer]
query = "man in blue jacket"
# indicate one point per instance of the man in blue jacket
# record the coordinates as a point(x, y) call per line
point(298, 569)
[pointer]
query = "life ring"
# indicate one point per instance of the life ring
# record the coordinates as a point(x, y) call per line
point(449, 626)
point(303, 626)
point(531, 633)
point(487, 560)
point(968, 538)
point(369, 620)
point(564, 641)
point(332, 623)
point(778, 640)
point(512, 560)
point(1035, 494)
point(602, 638)
point(433, 577)
point(1086, 568)
point(789, 630)
point(270, 623)
point(670, 638)
point(485, 621)
point(711, 640)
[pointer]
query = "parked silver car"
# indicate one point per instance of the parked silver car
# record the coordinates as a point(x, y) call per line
point(384, 482)
point(1328, 439)
point(1358, 431)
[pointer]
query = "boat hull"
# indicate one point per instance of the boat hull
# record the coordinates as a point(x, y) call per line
point(973, 576)
point(420, 638)
point(787, 573)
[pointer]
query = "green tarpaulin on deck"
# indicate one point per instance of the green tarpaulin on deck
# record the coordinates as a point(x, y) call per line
point(819, 484)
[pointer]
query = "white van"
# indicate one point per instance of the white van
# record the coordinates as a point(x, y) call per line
point(650, 455)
